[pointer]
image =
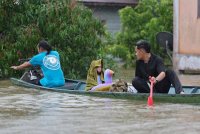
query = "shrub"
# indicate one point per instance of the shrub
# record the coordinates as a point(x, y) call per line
point(144, 21)
point(69, 27)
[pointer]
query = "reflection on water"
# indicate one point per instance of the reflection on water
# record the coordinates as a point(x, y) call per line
point(31, 111)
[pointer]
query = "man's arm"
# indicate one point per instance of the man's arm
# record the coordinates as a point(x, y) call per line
point(22, 66)
point(161, 76)
point(161, 70)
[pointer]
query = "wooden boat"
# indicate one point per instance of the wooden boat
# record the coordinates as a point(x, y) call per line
point(192, 94)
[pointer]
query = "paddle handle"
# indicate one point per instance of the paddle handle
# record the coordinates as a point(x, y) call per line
point(151, 87)
point(150, 98)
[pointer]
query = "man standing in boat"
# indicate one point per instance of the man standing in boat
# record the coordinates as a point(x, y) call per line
point(49, 62)
point(151, 66)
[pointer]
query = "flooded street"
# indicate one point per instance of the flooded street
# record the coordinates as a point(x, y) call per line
point(30, 111)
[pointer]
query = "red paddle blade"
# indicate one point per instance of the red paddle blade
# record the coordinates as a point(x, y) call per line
point(150, 101)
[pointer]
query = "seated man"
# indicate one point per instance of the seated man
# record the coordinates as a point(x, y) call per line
point(97, 80)
point(150, 65)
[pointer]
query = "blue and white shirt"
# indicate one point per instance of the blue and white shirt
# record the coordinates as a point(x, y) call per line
point(50, 65)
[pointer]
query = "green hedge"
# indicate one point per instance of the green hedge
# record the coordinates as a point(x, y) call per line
point(144, 21)
point(68, 26)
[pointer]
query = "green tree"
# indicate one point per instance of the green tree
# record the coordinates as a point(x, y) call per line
point(69, 27)
point(144, 21)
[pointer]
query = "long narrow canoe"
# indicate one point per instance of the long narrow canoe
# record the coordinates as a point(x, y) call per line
point(192, 93)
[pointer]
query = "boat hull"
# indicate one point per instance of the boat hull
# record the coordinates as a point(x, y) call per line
point(192, 95)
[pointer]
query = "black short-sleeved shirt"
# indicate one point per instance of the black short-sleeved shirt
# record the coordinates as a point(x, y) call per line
point(153, 68)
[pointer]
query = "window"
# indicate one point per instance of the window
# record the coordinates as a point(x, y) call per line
point(198, 9)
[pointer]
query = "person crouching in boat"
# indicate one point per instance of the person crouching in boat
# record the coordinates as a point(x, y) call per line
point(49, 62)
point(150, 65)
point(97, 79)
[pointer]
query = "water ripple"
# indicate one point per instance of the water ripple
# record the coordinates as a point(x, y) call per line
point(31, 111)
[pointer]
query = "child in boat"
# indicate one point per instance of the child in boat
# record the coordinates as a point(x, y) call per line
point(97, 80)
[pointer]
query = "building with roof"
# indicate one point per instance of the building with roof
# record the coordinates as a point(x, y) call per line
point(108, 11)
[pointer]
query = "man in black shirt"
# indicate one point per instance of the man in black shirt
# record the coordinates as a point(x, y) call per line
point(150, 65)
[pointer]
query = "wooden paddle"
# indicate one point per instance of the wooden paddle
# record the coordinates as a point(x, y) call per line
point(150, 98)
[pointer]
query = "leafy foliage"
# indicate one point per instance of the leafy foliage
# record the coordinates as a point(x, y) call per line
point(144, 21)
point(69, 27)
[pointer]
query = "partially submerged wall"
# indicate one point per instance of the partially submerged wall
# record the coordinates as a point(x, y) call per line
point(186, 55)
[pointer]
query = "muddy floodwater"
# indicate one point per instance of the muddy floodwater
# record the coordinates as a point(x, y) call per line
point(30, 111)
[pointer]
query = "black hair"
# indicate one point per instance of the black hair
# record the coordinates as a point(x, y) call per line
point(45, 45)
point(143, 44)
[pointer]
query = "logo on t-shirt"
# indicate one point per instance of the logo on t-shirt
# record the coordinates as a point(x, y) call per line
point(51, 62)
